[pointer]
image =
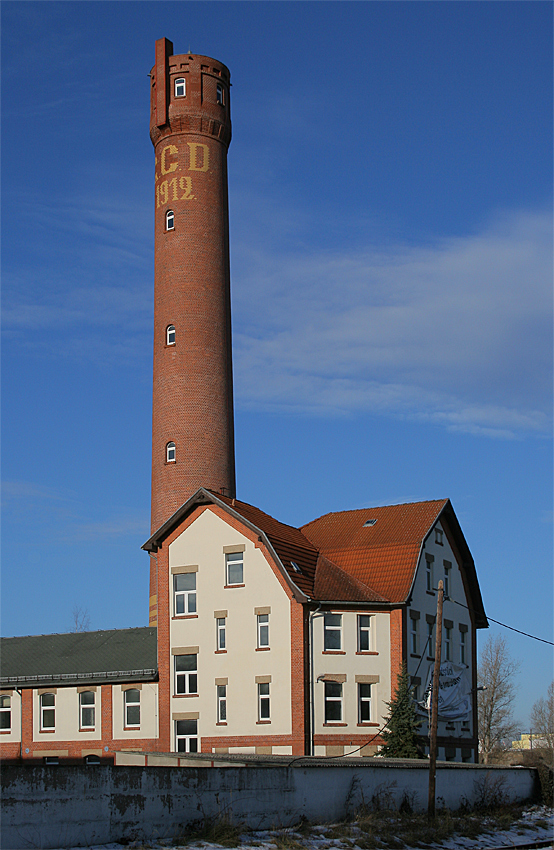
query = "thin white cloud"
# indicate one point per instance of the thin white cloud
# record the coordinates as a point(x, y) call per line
point(459, 332)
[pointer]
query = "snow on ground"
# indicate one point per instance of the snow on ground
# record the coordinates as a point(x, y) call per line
point(536, 824)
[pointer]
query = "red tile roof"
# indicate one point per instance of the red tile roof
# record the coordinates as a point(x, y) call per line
point(384, 555)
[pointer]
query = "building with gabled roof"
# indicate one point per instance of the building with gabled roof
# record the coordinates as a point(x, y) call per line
point(262, 637)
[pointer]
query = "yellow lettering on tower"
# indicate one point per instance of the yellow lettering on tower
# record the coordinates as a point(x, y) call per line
point(193, 146)
point(167, 169)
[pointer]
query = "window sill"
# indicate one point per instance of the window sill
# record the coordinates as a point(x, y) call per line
point(230, 586)
point(5, 731)
point(430, 592)
point(263, 722)
point(184, 696)
point(335, 724)
point(333, 652)
point(414, 655)
point(263, 648)
point(220, 652)
point(366, 652)
point(47, 731)
point(88, 729)
point(368, 723)
point(221, 724)
point(430, 658)
point(131, 728)
point(185, 617)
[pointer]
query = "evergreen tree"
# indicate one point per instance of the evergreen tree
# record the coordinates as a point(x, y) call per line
point(400, 736)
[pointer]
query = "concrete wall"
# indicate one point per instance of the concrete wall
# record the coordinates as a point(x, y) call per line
point(54, 807)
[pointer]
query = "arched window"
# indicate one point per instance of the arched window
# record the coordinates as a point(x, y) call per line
point(180, 87)
point(170, 220)
point(170, 335)
point(170, 452)
point(86, 709)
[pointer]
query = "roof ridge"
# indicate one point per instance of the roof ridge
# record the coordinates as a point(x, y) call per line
point(374, 508)
point(87, 632)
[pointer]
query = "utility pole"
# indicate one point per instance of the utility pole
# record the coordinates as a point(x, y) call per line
point(435, 706)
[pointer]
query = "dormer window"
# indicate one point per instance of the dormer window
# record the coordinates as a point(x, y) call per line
point(170, 453)
point(220, 94)
point(170, 220)
point(180, 87)
point(170, 335)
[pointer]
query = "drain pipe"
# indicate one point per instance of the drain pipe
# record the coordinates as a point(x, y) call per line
point(312, 680)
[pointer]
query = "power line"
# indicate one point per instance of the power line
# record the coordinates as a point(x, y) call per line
point(498, 623)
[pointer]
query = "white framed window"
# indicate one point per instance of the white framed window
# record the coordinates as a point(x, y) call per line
point(447, 569)
point(429, 572)
point(47, 711)
point(438, 536)
point(131, 700)
point(86, 709)
point(170, 453)
point(234, 568)
point(170, 220)
point(170, 335)
point(448, 643)
point(414, 635)
point(332, 632)
point(364, 632)
point(263, 701)
point(263, 631)
point(184, 594)
point(430, 636)
point(333, 702)
point(186, 674)
point(220, 634)
point(186, 736)
point(180, 87)
point(463, 646)
point(221, 703)
point(364, 702)
point(5, 712)
point(220, 94)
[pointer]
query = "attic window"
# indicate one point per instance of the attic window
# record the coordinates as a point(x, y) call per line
point(369, 522)
point(295, 567)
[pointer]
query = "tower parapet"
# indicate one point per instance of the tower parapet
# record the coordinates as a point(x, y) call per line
point(192, 421)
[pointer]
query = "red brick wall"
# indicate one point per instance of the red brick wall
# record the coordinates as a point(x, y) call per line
point(396, 646)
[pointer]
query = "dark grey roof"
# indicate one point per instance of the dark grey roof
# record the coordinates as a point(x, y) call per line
point(123, 655)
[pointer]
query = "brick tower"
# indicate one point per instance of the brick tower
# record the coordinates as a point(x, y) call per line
point(192, 420)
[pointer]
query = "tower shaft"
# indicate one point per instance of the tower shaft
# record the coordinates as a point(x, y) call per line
point(192, 421)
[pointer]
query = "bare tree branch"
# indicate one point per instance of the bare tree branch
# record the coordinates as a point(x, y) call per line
point(496, 673)
point(542, 719)
point(81, 619)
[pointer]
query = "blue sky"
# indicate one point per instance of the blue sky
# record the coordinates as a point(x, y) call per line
point(391, 254)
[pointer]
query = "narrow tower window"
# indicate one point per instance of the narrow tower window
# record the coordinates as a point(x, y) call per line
point(170, 220)
point(170, 335)
point(180, 87)
point(220, 94)
point(170, 453)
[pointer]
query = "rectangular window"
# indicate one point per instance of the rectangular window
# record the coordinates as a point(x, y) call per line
point(131, 700)
point(430, 638)
point(263, 631)
point(234, 568)
point(47, 711)
point(5, 712)
point(220, 633)
point(463, 646)
point(333, 702)
point(364, 633)
point(415, 684)
point(184, 591)
point(186, 676)
point(364, 703)
point(186, 736)
point(263, 701)
point(220, 97)
point(86, 709)
point(438, 536)
point(429, 572)
point(414, 635)
point(447, 644)
point(447, 568)
point(221, 703)
point(332, 632)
